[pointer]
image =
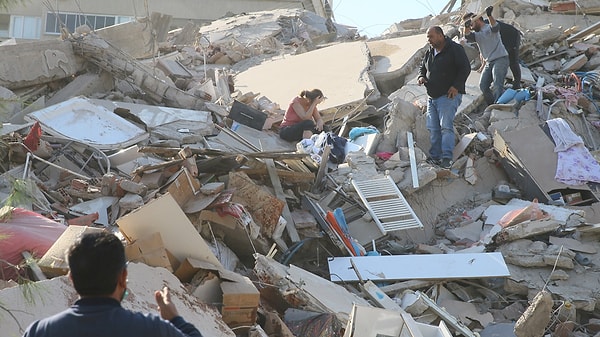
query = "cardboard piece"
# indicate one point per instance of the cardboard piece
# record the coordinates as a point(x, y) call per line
point(190, 266)
point(240, 293)
point(179, 235)
point(228, 221)
point(151, 251)
point(184, 187)
point(240, 302)
point(54, 262)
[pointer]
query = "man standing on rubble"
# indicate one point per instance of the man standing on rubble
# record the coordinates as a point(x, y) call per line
point(511, 39)
point(487, 36)
point(444, 71)
point(98, 270)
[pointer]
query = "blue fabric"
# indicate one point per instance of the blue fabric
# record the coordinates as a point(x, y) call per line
point(440, 123)
point(507, 96)
point(494, 73)
point(522, 95)
point(361, 131)
point(512, 94)
point(104, 317)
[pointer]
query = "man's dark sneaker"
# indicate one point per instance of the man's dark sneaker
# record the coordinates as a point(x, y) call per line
point(432, 161)
point(446, 163)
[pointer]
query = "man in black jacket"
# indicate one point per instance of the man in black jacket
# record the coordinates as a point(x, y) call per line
point(98, 270)
point(444, 71)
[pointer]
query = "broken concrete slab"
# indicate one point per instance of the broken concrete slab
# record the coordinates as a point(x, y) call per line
point(86, 84)
point(339, 71)
point(534, 320)
point(394, 59)
point(536, 177)
point(135, 38)
point(82, 120)
point(433, 266)
point(39, 62)
point(307, 290)
point(183, 125)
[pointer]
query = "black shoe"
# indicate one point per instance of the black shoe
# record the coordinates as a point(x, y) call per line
point(432, 161)
point(446, 163)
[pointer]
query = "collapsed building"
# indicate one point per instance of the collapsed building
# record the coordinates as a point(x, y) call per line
point(169, 139)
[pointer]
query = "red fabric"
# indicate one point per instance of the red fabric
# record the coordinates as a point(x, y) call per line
point(235, 210)
point(384, 155)
point(25, 231)
point(331, 220)
point(33, 138)
point(291, 117)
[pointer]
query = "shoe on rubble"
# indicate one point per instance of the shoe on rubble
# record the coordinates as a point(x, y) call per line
point(446, 163)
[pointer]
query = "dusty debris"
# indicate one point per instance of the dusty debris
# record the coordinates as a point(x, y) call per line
point(178, 153)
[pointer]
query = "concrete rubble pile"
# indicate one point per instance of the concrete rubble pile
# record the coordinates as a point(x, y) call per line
point(169, 140)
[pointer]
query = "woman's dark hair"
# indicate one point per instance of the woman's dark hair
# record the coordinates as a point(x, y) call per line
point(311, 94)
point(96, 261)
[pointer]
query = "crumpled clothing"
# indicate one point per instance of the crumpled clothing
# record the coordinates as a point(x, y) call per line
point(571, 96)
point(32, 140)
point(384, 155)
point(361, 131)
point(575, 165)
point(563, 136)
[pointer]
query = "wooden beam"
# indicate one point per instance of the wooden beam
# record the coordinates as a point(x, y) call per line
point(291, 177)
point(290, 226)
point(322, 168)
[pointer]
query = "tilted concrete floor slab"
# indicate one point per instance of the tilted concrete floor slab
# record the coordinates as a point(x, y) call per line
point(394, 59)
point(340, 71)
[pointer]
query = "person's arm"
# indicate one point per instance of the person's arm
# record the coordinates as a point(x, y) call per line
point(422, 78)
point(169, 312)
point(492, 20)
point(468, 34)
point(318, 120)
point(304, 114)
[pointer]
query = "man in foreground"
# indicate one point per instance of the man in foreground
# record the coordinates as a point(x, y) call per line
point(444, 71)
point(98, 270)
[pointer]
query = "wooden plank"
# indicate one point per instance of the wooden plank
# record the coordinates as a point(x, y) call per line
point(290, 226)
point(322, 169)
point(431, 266)
point(297, 165)
point(287, 176)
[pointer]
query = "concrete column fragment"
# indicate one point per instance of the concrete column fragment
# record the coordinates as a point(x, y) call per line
point(534, 320)
point(103, 54)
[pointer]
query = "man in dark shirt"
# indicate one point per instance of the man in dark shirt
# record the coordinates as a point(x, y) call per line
point(444, 71)
point(98, 270)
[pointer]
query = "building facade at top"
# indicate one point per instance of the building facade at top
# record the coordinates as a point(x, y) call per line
point(43, 19)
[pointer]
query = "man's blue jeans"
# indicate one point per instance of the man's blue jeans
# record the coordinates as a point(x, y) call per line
point(494, 71)
point(440, 123)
